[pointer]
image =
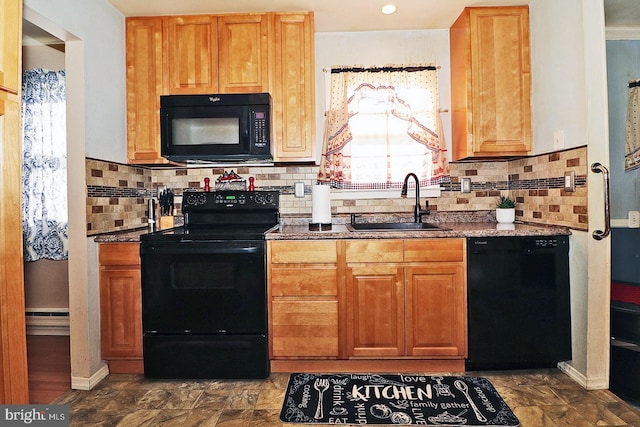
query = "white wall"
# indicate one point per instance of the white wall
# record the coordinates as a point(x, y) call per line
point(379, 48)
point(94, 34)
point(557, 70)
point(569, 94)
point(101, 28)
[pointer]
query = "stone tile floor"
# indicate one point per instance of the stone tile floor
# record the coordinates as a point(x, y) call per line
point(539, 398)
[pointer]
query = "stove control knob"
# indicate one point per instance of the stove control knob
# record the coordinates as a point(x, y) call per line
point(191, 200)
point(269, 199)
point(260, 199)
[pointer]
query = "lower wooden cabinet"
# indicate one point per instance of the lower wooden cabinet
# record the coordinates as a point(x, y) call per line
point(375, 310)
point(416, 307)
point(368, 299)
point(121, 307)
point(435, 310)
point(303, 299)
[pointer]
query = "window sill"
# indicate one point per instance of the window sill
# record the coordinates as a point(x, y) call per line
point(431, 191)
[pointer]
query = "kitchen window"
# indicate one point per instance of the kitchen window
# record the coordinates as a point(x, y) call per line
point(381, 124)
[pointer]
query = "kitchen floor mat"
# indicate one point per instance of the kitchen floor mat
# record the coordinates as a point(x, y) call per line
point(373, 399)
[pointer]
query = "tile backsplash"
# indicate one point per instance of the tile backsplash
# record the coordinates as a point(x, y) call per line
point(117, 194)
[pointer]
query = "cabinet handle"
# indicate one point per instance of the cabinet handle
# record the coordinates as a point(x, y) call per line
point(599, 234)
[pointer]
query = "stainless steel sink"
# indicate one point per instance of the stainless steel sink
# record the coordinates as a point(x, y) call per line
point(394, 226)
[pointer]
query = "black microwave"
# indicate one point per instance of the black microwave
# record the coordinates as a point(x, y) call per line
point(216, 128)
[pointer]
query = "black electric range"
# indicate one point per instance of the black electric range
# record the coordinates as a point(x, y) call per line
point(204, 297)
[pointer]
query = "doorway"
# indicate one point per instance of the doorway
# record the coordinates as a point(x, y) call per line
point(46, 281)
point(622, 19)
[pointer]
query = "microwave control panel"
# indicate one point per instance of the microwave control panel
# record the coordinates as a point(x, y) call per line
point(260, 128)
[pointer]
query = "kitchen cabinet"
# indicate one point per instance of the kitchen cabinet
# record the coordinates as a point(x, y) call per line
point(292, 87)
point(367, 299)
point(243, 50)
point(10, 45)
point(491, 83)
point(121, 307)
point(405, 298)
point(234, 53)
point(216, 54)
point(14, 385)
point(192, 54)
point(303, 299)
point(144, 86)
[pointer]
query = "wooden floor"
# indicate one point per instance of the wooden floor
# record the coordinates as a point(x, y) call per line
point(49, 363)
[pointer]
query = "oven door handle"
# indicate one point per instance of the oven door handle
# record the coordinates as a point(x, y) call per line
point(207, 250)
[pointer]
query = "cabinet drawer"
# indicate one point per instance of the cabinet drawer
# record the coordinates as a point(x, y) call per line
point(304, 328)
point(119, 254)
point(307, 281)
point(303, 252)
point(374, 251)
point(434, 250)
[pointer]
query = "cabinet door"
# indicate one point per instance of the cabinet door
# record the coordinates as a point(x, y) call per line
point(144, 86)
point(491, 82)
point(120, 312)
point(436, 310)
point(10, 45)
point(501, 76)
point(14, 387)
point(192, 54)
point(292, 87)
point(243, 53)
point(375, 310)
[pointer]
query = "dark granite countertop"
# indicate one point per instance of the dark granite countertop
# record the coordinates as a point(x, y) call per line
point(121, 236)
point(455, 224)
point(453, 229)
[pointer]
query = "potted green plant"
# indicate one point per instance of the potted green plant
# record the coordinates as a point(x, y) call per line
point(506, 210)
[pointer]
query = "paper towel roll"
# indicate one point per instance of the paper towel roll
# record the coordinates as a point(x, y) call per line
point(321, 204)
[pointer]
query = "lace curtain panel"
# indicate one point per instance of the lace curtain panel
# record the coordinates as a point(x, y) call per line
point(381, 124)
point(44, 166)
point(632, 145)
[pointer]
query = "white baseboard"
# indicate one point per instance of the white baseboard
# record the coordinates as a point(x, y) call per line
point(83, 383)
point(580, 378)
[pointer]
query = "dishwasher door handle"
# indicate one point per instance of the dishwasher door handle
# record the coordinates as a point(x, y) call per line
point(599, 234)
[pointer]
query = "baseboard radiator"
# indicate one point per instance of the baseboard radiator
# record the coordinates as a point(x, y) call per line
point(47, 321)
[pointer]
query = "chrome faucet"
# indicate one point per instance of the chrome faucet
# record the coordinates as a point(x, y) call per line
point(417, 210)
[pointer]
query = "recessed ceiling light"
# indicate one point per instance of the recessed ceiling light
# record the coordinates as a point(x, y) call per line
point(389, 9)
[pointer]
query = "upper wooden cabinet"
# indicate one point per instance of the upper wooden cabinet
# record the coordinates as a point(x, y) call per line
point(192, 54)
point(144, 86)
point(491, 83)
point(236, 53)
point(10, 45)
point(292, 87)
point(243, 50)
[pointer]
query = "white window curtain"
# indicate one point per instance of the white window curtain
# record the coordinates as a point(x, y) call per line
point(632, 145)
point(44, 166)
point(381, 124)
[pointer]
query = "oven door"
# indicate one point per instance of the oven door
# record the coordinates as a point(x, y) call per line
point(204, 287)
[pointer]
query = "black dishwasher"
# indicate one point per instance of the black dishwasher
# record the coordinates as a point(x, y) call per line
point(518, 302)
